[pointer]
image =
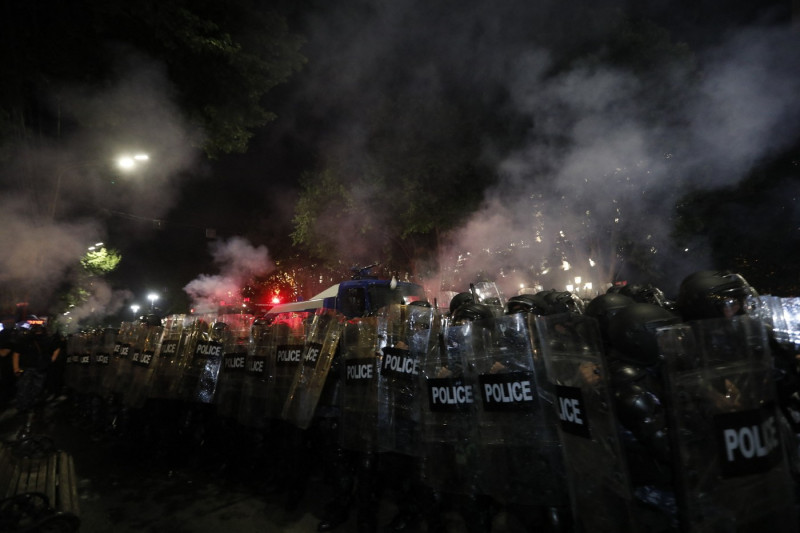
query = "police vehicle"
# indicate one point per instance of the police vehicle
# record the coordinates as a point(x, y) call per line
point(360, 296)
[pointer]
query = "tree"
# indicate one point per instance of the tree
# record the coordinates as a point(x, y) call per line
point(100, 261)
point(223, 59)
point(420, 175)
point(85, 295)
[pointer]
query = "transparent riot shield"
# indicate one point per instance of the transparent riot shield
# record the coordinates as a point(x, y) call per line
point(599, 484)
point(232, 373)
point(261, 351)
point(198, 381)
point(80, 348)
point(361, 344)
point(101, 358)
point(143, 363)
point(116, 355)
point(310, 376)
point(289, 336)
point(516, 421)
point(172, 356)
point(449, 416)
point(121, 361)
point(69, 363)
point(734, 474)
point(408, 339)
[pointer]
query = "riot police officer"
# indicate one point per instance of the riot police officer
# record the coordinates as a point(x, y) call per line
point(638, 393)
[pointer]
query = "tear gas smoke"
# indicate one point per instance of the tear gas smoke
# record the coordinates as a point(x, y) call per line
point(617, 174)
point(610, 149)
point(238, 261)
point(102, 302)
point(58, 196)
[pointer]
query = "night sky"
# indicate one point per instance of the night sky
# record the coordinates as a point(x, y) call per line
point(587, 149)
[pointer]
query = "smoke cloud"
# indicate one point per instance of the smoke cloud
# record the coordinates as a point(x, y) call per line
point(61, 196)
point(617, 173)
point(238, 261)
point(610, 149)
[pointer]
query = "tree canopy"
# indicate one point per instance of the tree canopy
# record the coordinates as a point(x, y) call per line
point(221, 59)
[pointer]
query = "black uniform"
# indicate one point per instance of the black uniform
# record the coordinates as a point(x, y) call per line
point(35, 352)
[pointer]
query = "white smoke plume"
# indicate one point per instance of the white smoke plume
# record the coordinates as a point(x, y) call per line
point(103, 301)
point(610, 149)
point(615, 173)
point(238, 261)
point(63, 195)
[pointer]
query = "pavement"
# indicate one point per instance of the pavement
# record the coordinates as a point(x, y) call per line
point(125, 485)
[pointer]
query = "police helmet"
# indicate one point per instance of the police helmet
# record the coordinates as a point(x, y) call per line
point(524, 303)
point(459, 299)
point(471, 311)
point(553, 302)
point(713, 294)
point(219, 331)
point(632, 332)
point(646, 293)
point(564, 302)
point(605, 306)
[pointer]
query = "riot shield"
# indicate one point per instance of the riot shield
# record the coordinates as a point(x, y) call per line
point(597, 475)
point(448, 416)
point(198, 381)
point(70, 372)
point(289, 336)
point(119, 371)
point(408, 338)
point(143, 364)
point(101, 358)
point(260, 353)
point(79, 347)
point(311, 374)
point(734, 474)
point(516, 421)
point(172, 356)
point(231, 375)
point(361, 345)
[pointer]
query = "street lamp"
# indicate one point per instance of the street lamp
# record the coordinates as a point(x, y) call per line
point(135, 309)
point(152, 297)
point(129, 162)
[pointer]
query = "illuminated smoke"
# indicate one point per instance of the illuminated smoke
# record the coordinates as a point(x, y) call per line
point(615, 174)
point(238, 261)
point(102, 302)
point(61, 196)
point(609, 151)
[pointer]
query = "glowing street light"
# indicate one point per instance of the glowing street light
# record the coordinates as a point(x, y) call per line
point(129, 162)
point(152, 297)
point(135, 309)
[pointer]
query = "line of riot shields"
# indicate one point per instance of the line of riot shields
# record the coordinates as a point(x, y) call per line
point(516, 410)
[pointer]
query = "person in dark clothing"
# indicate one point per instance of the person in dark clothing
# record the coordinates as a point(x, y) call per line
point(31, 360)
point(54, 383)
point(7, 380)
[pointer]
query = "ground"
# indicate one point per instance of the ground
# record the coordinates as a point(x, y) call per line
point(126, 486)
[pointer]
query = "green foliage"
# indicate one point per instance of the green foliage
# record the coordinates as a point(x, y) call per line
point(100, 261)
point(223, 58)
point(419, 175)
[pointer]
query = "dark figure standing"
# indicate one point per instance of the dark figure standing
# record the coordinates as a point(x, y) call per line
point(32, 358)
point(7, 379)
